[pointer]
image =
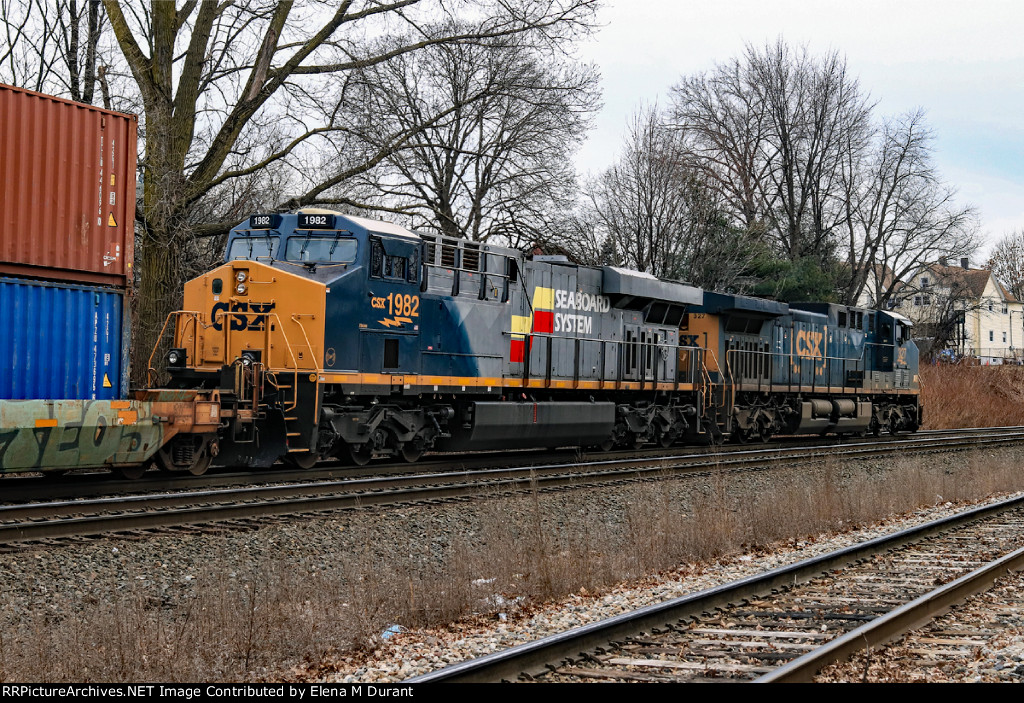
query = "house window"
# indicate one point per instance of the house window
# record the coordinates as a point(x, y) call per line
point(1005, 309)
point(924, 281)
point(926, 300)
point(917, 301)
point(1004, 337)
point(990, 307)
point(991, 336)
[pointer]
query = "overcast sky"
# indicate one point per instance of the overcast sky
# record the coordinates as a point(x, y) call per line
point(963, 62)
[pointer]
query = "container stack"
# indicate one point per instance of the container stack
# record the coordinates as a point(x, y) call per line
point(67, 215)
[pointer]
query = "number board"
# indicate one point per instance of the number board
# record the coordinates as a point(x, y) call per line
point(310, 220)
point(264, 221)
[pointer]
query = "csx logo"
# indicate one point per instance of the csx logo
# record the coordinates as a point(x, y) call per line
point(808, 344)
point(257, 322)
point(689, 340)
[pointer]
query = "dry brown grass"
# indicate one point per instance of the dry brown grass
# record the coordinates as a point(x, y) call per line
point(957, 396)
point(498, 556)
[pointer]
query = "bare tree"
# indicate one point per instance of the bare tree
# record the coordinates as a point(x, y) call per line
point(654, 212)
point(229, 90)
point(1008, 262)
point(725, 120)
point(499, 166)
point(771, 129)
point(900, 214)
point(55, 46)
point(788, 141)
point(817, 114)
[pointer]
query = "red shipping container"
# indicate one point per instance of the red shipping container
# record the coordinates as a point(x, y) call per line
point(67, 189)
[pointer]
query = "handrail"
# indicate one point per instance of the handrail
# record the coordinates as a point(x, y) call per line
point(267, 346)
point(149, 362)
point(549, 337)
point(848, 364)
point(309, 346)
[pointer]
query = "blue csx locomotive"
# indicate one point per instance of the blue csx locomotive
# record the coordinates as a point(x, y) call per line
point(332, 335)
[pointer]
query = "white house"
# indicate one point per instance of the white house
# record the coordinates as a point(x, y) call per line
point(966, 310)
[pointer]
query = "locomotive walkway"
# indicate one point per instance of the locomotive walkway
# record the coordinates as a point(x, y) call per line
point(245, 506)
point(784, 625)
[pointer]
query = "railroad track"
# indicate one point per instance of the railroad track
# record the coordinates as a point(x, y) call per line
point(20, 488)
point(784, 625)
point(20, 524)
point(979, 640)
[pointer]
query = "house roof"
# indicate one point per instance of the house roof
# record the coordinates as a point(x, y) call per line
point(972, 281)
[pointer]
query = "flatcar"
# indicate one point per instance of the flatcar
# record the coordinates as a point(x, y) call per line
point(333, 335)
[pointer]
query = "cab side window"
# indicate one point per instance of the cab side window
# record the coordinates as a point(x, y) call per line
point(396, 268)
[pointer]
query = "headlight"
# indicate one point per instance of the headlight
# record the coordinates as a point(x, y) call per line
point(248, 359)
point(240, 289)
point(176, 357)
point(241, 276)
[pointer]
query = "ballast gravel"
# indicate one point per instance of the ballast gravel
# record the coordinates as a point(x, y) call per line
point(52, 594)
point(411, 653)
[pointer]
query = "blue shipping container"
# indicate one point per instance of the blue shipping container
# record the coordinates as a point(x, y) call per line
point(62, 342)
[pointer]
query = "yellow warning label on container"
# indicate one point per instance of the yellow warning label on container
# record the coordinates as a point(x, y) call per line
point(106, 381)
point(111, 179)
point(111, 222)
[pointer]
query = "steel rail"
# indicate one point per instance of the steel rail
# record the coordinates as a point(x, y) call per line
point(18, 488)
point(68, 519)
point(606, 468)
point(537, 657)
point(914, 614)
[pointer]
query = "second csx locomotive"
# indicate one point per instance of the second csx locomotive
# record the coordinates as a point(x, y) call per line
point(333, 335)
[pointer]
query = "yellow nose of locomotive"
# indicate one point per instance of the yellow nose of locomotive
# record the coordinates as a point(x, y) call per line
point(249, 310)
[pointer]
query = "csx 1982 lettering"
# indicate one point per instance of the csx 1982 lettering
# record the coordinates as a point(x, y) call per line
point(398, 304)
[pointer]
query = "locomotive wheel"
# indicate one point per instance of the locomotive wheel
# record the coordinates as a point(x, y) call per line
point(410, 453)
point(607, 445)
point(666, 439)
point(305, 460)
point(359, 454)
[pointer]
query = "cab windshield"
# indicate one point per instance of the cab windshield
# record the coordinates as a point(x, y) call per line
point(253, 248)
point(330, 249)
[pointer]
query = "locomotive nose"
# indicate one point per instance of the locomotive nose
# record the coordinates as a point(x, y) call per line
point(248, 310)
